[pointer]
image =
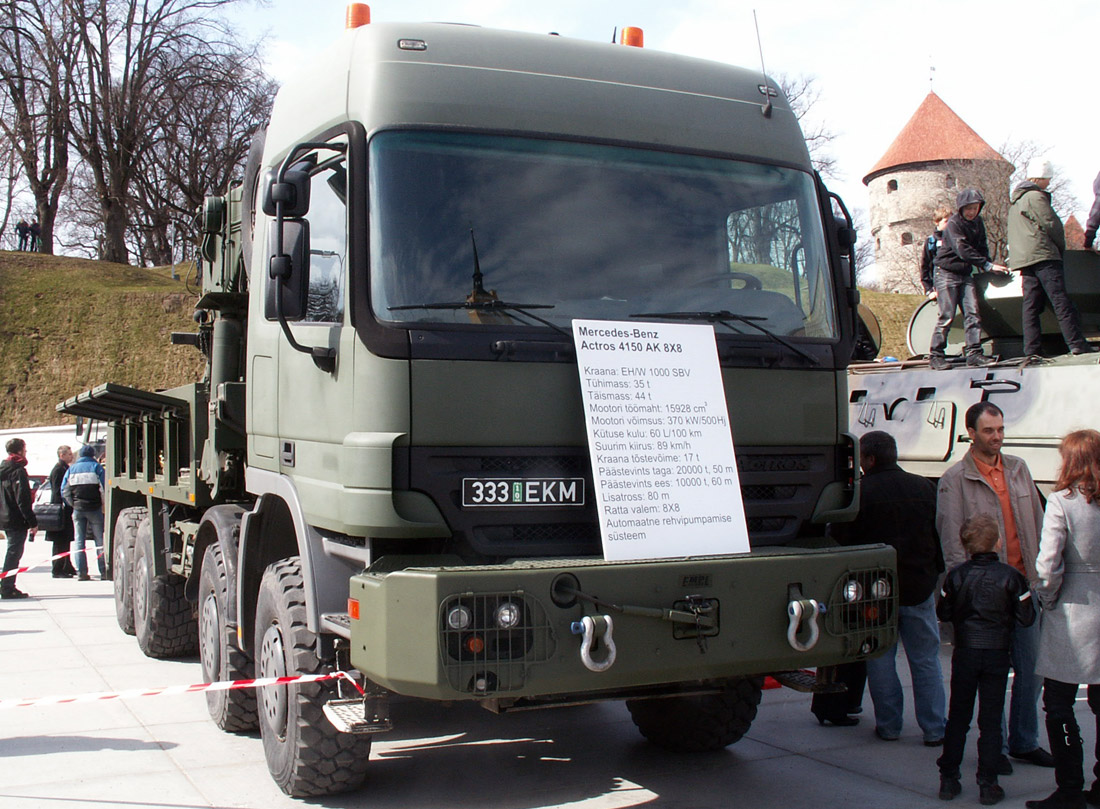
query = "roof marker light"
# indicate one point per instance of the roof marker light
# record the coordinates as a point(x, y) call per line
point(632, 36)
point(358, 15)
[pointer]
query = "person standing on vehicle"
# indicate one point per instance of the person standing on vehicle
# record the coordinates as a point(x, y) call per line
point(1036, 242)
point(986, 481)
point(964, 248)
point(898, 508)
point(931, 247)
point(62, 540)
point(1069, 637)
point(1092, 224)
point(82, 488)
point(16, 511)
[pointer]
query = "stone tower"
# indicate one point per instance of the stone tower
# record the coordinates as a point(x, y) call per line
point(935, 156)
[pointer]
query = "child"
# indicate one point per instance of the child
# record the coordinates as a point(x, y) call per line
point(983, 599)
point(931, 246)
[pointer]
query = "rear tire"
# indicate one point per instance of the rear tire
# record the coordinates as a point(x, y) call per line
point(122, 557)
point(234, 710)
point(164, 621)
point(306, 755)
point(699, 723)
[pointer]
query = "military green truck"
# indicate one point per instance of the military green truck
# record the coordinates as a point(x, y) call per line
point(386, 308)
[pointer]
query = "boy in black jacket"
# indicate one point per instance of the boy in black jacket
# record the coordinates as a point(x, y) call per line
point(983, 599)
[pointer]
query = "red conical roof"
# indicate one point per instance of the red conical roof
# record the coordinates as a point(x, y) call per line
point(934, 132)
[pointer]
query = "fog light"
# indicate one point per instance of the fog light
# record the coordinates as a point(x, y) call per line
point(459, 617)
point(853, 591)
point(880, 589)
point(507, 615)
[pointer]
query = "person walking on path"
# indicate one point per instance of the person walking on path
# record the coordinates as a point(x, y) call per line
point(964, 248)
point(62, 540)
point(23, 231)
point(899, 508)
point(986, 481)
point(82, 488)
point(16, 511)
point(1068, 567)
point(1036, 244)
point(984, 600)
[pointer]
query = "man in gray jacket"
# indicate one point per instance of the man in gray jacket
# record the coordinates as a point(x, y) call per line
point(986, 481)
point(1036, 242)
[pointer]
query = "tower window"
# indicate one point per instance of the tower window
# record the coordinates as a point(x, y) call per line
point(907, 238)
point(891, 186)
point(949, 181)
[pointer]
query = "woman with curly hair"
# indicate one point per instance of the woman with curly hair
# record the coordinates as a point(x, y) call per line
point(1068, 570)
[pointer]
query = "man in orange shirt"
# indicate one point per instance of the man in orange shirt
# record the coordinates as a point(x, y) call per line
point(986, 481)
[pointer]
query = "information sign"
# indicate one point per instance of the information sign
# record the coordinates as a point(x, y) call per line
point(659, 436)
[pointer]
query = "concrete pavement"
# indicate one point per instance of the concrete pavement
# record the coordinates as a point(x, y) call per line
point(165, 752)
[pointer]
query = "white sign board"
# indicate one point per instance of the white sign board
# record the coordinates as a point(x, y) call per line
point(660, 442)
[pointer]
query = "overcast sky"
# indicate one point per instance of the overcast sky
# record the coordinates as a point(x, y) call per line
point(1010, 69)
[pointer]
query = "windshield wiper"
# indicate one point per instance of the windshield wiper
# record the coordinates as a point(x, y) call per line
point(724, 317)
point(483, 300)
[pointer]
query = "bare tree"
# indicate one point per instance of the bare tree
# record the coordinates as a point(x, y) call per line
point(37, 40)
point(132, 53)
point(802, 94)
point(1019, 153)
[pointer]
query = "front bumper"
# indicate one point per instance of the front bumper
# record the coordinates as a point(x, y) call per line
point(406, 640)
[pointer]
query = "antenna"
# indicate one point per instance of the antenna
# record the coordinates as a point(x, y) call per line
point(614, 35)
point(931, 77)
point(765, 89)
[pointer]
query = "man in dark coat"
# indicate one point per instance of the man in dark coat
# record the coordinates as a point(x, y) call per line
point(1092, 224)
point(899, 509)
point(16, 511)
point(23, 231)
point(62, 540)
point(964, 248)
point(1036, 243)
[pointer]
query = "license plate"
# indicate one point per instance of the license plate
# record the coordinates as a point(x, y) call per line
point(482, 492)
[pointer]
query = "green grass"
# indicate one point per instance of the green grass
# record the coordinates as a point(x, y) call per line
point(893, 313)
point(69, 324)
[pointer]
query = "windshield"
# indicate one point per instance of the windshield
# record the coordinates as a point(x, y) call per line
point(590, 231)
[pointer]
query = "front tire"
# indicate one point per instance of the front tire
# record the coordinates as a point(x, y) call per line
point(163, 619)
point(699, 723)
point(306, 755)
point(233, 710)
point(122, 556)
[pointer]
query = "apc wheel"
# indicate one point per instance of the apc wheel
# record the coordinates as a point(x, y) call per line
point(700, 723)
point(163, 619)
point(306, 755)
point(233, 710)
point(122, 556)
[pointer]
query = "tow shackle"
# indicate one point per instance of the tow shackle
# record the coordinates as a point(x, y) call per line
point(803, 612)
point(591, 628)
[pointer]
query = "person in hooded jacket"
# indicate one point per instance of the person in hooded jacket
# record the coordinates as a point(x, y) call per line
point(1036, 242)
point(82, 489)
point(964, 247)
point(16, 512)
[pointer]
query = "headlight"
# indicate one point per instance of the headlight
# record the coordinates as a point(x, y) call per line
point(459, 617)
point(507, 615)
point(880, 588)
point(853, 591)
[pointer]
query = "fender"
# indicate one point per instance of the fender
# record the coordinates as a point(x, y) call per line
point(220, 524)
point(275, 529)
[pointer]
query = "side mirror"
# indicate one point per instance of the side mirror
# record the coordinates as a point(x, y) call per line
point(292, 192)
point(845, 235)
point(288, 265)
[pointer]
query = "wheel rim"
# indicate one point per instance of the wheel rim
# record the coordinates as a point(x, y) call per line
point(141, 590)
point(210, 637)
point(273, 697)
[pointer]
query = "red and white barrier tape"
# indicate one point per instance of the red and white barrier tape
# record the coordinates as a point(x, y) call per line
point(88, 551)
point(197, 688)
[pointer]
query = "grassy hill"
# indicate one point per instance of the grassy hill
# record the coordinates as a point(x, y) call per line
point(68, 324)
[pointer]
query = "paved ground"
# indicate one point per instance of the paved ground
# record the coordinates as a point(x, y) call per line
point(164, 751)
